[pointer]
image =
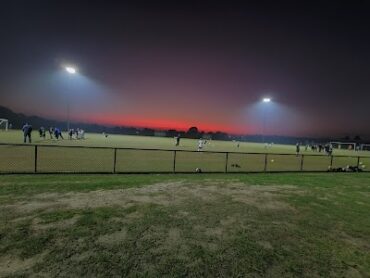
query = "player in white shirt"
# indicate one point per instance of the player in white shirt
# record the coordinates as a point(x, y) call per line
point(200, 144)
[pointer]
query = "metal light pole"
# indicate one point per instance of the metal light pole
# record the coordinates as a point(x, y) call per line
point(265, 101)
point(72, 71)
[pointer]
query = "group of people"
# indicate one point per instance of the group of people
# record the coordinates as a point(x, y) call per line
point(201, 142)
point(77, 133)
point(327, 148)
point(54, 132)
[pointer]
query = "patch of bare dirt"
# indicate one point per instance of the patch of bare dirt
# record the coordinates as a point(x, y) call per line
point(37, 224)
point(265, 244)
point(215, 232)
point(113, 239)
point(82, 256)
point(229, 221)
point(166, 194)
point(11, 265)
point(173, 235)
point(355, 241)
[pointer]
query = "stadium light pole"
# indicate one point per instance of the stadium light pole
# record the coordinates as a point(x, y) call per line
point(265, 101)
point(72, 71)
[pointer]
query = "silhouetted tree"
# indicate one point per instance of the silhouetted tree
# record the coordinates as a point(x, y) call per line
point(193, 132)
point(218, 135)
point(171, 133)
point(147, 132)
point(357, 138)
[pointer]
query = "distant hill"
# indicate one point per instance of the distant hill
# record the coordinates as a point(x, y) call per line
point(17, 120)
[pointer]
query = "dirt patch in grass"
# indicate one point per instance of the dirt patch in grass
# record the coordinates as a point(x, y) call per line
point(165, 194)
point(262, 197)
point(173, 235)
point(38, 224)
point(355, 241)
point(201, 228)
point(10, 265)
point(113, 238)
point(265, 244)
point(214, 232)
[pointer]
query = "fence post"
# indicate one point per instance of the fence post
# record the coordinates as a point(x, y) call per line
point(226, 162)
point(114, 160)
point(265, 167)
point(358, 162)
point(302, 159)
point(35, 158)
point(331, 161)
point(174, 162)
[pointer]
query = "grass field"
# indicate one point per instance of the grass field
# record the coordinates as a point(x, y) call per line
point(271, 225)
point(50, 159)
point(147, 142)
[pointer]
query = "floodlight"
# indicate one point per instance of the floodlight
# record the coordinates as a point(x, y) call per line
point(70, 70)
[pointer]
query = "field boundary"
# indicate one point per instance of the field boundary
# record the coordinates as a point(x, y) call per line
point(27, 158)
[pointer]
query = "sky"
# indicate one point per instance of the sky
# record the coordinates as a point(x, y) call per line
point(177, 64)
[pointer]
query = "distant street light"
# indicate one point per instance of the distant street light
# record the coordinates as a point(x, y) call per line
point(71, 70)
point(265, 100)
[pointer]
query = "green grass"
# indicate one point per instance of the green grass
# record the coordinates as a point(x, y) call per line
point(51, 159)
point(270, 225)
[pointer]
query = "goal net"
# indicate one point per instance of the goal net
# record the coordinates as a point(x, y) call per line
point(344, 146)
point(4, 124)
point(365, 147)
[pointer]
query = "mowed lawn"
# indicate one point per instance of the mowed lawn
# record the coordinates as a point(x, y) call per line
point(63, 159)
point(262, 225)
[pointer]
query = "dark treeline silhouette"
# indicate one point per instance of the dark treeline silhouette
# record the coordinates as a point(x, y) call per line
point(17, 120)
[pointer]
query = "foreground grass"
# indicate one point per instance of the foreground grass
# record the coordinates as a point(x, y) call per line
point(185, 225)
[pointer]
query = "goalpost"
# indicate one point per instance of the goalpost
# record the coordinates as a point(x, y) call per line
point(365, 147)
point(344, 145)
point(4, 123)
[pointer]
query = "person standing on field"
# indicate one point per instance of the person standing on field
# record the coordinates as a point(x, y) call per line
point(70, 133)
point(297, 149)
point(51, 131)
point(58, 133)
point(42, 132)
point(200, 144)
point(27, 130)
point(177, 140)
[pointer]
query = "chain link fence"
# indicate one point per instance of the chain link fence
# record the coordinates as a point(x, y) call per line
point(76, 159)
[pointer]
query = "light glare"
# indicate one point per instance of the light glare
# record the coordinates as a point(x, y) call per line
point(266, 99)
point(71, 70)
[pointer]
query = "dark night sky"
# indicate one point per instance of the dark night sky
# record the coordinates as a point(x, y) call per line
point(182, 63)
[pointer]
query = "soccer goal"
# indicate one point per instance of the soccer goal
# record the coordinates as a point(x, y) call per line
point(344, 146)
point(365, 147)
point(4, 124)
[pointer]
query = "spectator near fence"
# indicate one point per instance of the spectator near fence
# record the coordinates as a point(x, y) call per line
point(27, 130)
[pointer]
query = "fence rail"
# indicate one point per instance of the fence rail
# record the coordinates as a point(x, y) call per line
point(18, 158)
